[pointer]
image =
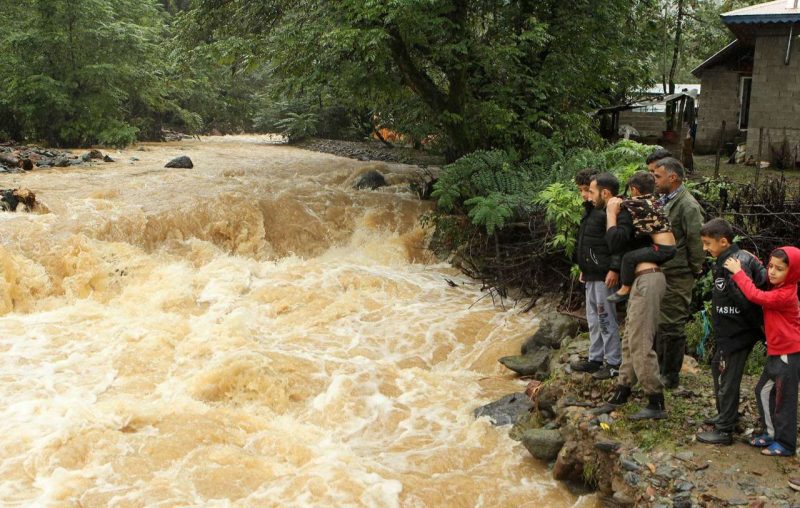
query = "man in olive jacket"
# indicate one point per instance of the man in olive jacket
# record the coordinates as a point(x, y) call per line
point(686, 217)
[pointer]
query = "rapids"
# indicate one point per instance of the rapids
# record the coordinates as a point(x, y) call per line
point(250, 332)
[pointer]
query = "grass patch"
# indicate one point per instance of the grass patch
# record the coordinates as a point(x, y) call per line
point(739, 173)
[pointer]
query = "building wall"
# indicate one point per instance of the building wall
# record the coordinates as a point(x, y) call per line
point(719, 101)
point(648, 124)
point(775, 98)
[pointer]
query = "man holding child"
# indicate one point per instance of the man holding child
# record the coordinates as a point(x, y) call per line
point(639, 361)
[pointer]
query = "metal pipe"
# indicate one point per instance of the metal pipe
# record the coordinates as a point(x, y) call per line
point(789, 43)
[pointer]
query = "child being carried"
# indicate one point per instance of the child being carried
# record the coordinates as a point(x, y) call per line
point(648, 220)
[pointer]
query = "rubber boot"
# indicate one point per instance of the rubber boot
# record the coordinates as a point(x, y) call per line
point(654, 410)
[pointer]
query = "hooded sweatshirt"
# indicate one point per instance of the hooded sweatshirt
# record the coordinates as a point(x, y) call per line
point(781, 307)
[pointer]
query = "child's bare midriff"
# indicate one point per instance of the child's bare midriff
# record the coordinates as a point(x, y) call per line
point(666, 238)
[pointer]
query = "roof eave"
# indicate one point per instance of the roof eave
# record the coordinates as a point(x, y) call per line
point(697, 71)
point(756, 19)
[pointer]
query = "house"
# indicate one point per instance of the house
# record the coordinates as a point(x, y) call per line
point(753, 83)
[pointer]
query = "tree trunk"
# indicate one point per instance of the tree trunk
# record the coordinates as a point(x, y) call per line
point(448, 105)
point(675, 54)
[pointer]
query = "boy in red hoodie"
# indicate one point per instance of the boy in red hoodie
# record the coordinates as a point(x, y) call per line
point(776, 391)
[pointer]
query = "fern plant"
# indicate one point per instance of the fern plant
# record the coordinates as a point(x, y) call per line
point(297, 126)
point(490, 187)
point(562, 206)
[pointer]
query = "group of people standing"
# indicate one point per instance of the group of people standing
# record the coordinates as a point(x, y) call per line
point(654, 242)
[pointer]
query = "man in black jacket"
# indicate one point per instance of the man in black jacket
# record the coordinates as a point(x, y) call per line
point(600, 273)
point(737, 326)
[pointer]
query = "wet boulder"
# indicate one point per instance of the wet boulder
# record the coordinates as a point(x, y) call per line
point(108, 158)
point(370, 180)
point(7, 159)
point(92, 154)
point(551, 331)
point(506, 410)
point(536, 363)
point(544, 444)
point(180, 162)
point(26, 164)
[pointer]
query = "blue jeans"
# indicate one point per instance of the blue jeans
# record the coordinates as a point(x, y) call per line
point(604, 340)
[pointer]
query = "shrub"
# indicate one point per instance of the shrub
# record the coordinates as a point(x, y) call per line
point(297, 126)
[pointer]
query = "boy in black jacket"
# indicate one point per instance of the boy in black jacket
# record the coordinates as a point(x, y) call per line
point(600, 273)
point(737, 326)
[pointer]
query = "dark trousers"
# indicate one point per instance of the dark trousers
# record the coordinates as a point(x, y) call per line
point(727, 371)
point(652, 253)
point(776, 393)
point(670, 343)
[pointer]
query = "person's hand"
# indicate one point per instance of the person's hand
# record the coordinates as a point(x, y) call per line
point(612, 278)
point(733, 265)
point(613, 204)
point(580, 278)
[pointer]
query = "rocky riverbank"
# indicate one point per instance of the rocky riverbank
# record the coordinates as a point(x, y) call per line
point(15, 159)
point(372, 151)
point(651, 463)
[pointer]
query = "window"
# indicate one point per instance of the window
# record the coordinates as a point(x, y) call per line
point(745, 85)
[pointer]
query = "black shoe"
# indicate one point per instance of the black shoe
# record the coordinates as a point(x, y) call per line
point(607, 372)
point(670, 382)
point(586, 366)
point(711, 421)
point(654, 411)
point(715, 437)
point(617, 298)
point(618, 398)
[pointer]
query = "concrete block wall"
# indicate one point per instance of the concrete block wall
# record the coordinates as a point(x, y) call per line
point(719, 101)
point(775, 97)
point(648, 124)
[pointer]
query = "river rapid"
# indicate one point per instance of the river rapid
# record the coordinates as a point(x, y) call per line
point(250, 332)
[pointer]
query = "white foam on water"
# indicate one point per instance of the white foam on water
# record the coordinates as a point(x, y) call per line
point(247, 333)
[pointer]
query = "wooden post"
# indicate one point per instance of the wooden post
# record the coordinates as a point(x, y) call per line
point(719, 149)
point(758, 160)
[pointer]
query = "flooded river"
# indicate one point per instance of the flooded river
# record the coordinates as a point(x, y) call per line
point(250, 332)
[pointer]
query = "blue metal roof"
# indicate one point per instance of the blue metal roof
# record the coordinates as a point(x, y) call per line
point(761, 19)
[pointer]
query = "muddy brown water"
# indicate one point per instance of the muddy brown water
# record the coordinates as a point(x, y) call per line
point(250, 332)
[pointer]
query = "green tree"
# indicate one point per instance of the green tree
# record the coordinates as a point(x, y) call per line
point(480, 74)
point(690, 31)
point(81, 72)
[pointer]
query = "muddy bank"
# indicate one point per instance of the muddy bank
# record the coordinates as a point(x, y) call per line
point(628, 463)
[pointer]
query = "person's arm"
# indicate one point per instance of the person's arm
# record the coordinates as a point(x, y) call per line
point(767, 299)
point(692, 222)
point(750, 266)
point(619, 231)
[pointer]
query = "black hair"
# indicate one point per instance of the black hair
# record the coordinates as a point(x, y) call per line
point(780, 254)
point(607, 181)
point(717, 229)
point(643, 182)
point(584, 176)
point(671, 165)
point(661, 153)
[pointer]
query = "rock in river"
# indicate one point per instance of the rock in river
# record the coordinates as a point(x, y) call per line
point(180, 162)
point(505, 411)
point(543, 444)
point(370, 180)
